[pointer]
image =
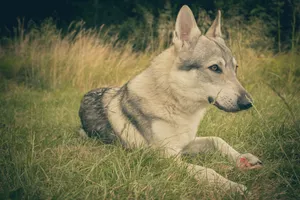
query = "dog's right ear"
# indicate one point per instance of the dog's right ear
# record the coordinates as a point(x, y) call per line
point(186, 30)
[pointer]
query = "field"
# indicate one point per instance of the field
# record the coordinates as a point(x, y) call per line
point(43, 76)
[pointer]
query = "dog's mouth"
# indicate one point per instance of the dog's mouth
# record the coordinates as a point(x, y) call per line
point(212, 101)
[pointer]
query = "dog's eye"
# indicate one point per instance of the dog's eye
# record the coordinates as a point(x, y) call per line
point(236, 68)
point(215, 68)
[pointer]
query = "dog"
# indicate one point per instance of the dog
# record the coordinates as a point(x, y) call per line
point(163, 105)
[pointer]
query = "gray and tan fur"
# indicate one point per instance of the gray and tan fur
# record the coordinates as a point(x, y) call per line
point(163, 105)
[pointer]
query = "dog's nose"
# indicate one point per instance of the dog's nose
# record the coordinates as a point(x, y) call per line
point(244, 101)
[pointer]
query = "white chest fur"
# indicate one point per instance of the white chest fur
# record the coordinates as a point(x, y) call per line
point(175, 135)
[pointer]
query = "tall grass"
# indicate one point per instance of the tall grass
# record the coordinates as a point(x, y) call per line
point(45, 72)
point(44, 57)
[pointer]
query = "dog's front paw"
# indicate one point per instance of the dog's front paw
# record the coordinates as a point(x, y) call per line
point(236, 188)
point(248, 161)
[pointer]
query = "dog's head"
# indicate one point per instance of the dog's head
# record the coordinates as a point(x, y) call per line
point(205, 69)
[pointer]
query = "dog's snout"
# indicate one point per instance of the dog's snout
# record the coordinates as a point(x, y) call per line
point(244, 101)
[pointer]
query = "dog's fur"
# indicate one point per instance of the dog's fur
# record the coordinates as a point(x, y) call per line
point(163, 105)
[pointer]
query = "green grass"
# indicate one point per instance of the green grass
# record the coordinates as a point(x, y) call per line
point(43, 157)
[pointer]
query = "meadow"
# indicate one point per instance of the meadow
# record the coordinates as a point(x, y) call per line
point(43, 75)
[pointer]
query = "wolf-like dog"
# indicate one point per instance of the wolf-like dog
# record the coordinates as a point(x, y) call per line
point(162, 106)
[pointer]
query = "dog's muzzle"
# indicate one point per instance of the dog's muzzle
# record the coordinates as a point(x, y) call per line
point(244, 102)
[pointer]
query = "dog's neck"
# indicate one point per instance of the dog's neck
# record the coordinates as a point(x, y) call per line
point(154, 82)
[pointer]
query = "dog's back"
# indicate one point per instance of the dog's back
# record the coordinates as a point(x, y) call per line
point(93, 114)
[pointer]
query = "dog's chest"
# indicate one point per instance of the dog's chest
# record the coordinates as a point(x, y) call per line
point(179, 133)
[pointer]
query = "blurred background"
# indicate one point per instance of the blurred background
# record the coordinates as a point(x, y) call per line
point(48, 37)
point(280, 19)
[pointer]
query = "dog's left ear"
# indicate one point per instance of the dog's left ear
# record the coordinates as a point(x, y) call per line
point(215, 29)
point(186, 29)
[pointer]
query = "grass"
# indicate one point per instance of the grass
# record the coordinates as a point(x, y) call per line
point(44, 75)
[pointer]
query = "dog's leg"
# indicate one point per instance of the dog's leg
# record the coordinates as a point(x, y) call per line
point(204, 144)
point(203, 174)
point(213, 178)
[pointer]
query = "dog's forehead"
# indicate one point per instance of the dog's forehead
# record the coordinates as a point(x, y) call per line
point(212, 47)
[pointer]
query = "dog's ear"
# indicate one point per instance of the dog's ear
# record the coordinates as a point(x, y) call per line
point(215, 29)
point(186, 29)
